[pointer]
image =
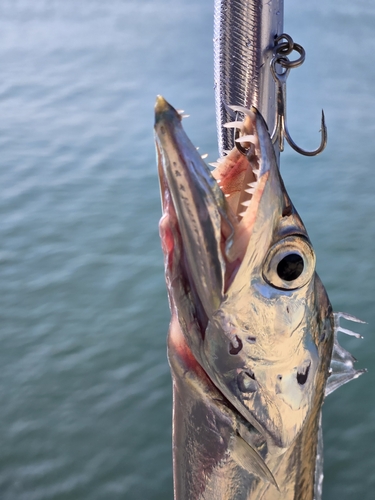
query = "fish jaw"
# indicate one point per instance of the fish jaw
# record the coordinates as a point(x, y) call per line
point(197, 201)
point(256, 334)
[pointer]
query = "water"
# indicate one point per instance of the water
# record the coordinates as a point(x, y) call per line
point(85, 386)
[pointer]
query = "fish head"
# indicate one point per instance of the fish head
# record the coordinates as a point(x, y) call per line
point(241, 277)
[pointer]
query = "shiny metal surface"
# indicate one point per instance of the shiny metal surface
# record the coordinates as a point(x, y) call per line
point(280, 68)
point(251, 67)
point(244, 36)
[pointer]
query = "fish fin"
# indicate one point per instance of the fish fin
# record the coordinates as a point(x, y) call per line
point(342, 362)
point(349, 317)
point(250, 460)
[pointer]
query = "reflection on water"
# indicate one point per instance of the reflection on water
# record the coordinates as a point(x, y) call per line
point(85, 386)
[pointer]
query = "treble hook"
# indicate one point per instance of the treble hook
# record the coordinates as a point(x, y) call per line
point(281, 128)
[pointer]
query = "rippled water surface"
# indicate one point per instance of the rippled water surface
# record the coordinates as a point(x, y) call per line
point(85, 388)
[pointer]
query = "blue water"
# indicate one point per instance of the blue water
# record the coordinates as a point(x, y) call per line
point(85, 389)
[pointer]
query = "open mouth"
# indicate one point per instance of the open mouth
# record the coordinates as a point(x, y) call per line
point(238, 172)
point(242, 175)
point(216, 209)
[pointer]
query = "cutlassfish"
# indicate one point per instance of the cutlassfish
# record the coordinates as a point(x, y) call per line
point(252, 343)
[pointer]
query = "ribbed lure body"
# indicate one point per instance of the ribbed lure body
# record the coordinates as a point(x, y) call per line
point(244, 39)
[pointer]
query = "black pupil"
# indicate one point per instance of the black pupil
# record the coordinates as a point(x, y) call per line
point(290, 267)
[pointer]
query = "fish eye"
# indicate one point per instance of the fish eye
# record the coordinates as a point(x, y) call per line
point(290, 263)
point(290, 267)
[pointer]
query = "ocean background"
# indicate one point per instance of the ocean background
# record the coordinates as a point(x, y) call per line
point(85, 389)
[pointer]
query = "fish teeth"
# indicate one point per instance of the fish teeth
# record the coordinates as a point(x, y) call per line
point(243, 110)
point(242, 213)
point(246, 203)
point(235, 124)
point(252, 184)
point(204, 156)
point(246, 138)
point(214, 164)
point(250, 190)
point(256, 173)
point(226, 195)
point(218, 181)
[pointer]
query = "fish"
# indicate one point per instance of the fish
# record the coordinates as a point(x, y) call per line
point(253, 339)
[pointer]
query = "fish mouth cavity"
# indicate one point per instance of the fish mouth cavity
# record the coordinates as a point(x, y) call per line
point(238, 172)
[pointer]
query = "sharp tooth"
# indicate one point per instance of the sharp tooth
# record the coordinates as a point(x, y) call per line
point(180, 111)
point(246, 203)
point(236, 124)
point(214, 164)
point(242, 213)
point(204, 156)
point(185, 116)
point(226, 195)
point(246, 138)
point(250, 190)
point(243, 110)
point(252, 184)
point(256, 173)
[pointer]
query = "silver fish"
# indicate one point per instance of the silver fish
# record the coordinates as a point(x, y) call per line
point(252, 342)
